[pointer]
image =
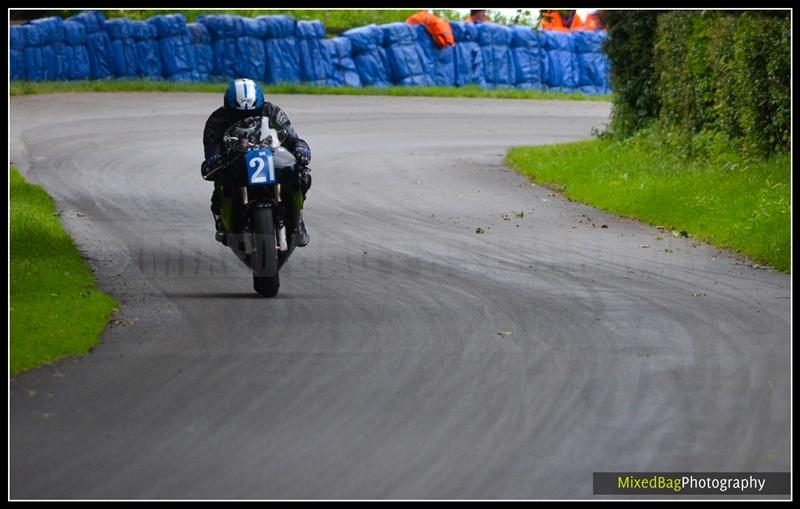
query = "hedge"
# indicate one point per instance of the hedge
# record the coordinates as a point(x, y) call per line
point(721, 75)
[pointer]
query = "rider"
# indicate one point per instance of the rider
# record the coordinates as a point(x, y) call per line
point(244, 98)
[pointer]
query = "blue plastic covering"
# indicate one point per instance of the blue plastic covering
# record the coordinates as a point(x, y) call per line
point(98, 44)
point(77, 56)
point(439, 63)
point(561, 69)
point(404, 58)
point(148, 55)
point(53, 48)
point(498, 63)
point(17, 47)
point(177, 55)
point(35, 67)
point(468, 59)
point(279, 49)
point(282, 50)
point(592, 62)
point(345, 73)
point(203, 54)
point(315, 62)
point(224, 31)
point(123, 48)
point(368, 55)
point(251, 56)
point(527, 54)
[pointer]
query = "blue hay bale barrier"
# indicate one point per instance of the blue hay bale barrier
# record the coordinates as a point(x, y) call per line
point(282, 50)
point(592, 62)
point(35, 66)
point(224, 31)
point(251, 58)
point(203, 54)
point(468, 59)
point(526, 51)
point(148, 54)
point(279, 49)
point(345, 72)
point(562, 65)
point(124, 60)
point(498, 63)
point(98, 44)
point(403, 57)
point(368, 55)
point(438, 62)
point(17, 50)
point(77, 55)
point(316, 67)
point(177, 56)
point(53, 47)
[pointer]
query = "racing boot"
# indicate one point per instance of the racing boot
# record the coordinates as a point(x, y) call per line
point(301, 232)
point(221, 235)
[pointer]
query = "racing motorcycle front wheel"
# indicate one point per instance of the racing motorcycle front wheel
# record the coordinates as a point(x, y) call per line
point(264, 261)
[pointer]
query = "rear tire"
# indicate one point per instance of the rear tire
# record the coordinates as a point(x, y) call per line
point(264, 260)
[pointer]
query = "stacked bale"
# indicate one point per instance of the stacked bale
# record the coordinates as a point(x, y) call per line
point(282, 50)
point(98, 44)
point(344, 71)
point(77, 55)
point(203, 54)
point(124, 61)
point(251, 58)
point(368, 55)
point(468, 59)
point(527, 54)
point(224, 31)
point(35, 66)
point(560, 70)
point(175, 46)
point(439, 62)
point(17, 47)
point(498, 64)
point(148, 55)
point(403, 56)
point(592, 63)
point(315, 62)
point(54, 50)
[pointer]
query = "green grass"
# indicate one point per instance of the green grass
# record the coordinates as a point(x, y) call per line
point(55, 311)
point(335, 20)
point(52, 87)
point(742, 205)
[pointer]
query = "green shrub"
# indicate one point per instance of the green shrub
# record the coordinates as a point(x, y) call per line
point(726, 74)
point(631, 36)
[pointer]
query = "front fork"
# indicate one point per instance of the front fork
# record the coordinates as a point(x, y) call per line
point(233, 223)
point(280, 223)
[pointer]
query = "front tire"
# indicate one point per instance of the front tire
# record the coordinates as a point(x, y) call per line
point(264, 260)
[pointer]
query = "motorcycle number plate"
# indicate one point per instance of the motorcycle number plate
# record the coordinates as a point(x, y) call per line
point(260, 167)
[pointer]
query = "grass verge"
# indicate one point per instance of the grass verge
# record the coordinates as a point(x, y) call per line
point(737, 204)
point(51, 87)
point(55, 310)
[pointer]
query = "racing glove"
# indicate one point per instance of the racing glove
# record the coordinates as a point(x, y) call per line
point(303, 155)
point(214, 160)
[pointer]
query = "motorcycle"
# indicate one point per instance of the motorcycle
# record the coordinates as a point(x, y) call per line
point(261, 199)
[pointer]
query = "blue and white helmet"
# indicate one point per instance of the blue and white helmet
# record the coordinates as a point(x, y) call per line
point(244, 94)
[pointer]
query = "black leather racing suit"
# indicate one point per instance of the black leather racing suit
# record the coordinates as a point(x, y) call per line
point(222, 118)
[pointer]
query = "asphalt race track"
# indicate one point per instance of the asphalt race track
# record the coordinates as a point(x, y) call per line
point(385, 367)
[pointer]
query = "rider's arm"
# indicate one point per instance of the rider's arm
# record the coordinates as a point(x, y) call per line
point(213, 133)
point(279, 119)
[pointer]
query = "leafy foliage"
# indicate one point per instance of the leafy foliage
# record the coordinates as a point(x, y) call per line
point(630, 44)
point(726, 77)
